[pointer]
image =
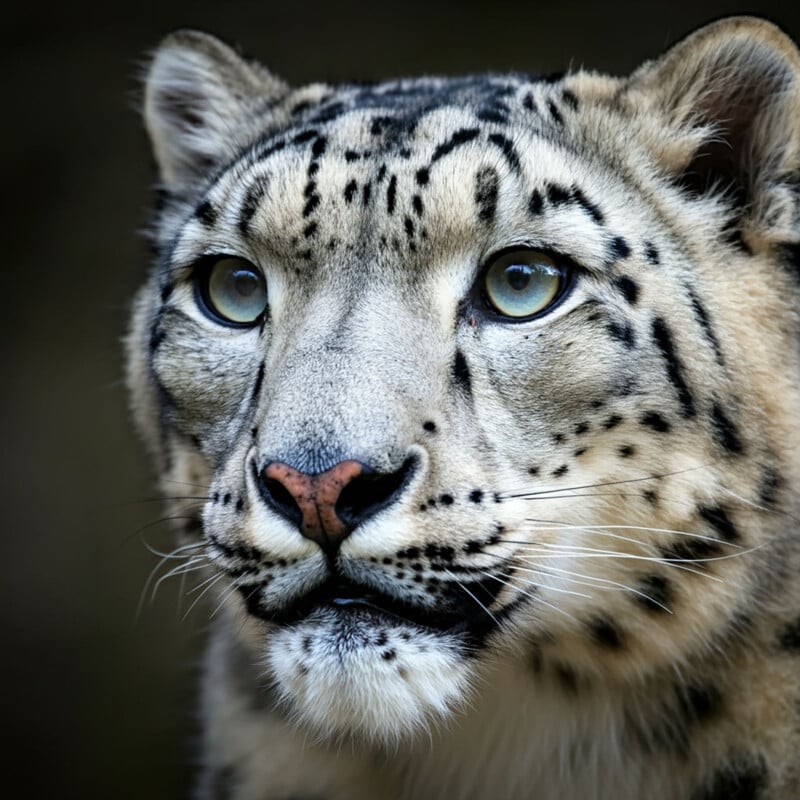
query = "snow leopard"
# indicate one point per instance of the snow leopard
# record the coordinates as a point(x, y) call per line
point(476, 402)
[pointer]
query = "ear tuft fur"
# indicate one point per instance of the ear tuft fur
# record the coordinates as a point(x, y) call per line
point(730, 96)
point(198, 95)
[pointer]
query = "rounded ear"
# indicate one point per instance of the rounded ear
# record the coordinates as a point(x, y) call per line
point(730, 97)
point(198, 95)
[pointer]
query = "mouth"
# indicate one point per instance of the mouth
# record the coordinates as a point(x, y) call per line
point(345, 597)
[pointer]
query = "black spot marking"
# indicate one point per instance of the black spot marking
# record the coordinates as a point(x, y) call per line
point(250, 204)
point(310, 230)
point(529, 103)
point(429, 426)
point(319, 147)
point(770, 484)
point(391, 194)
point(566, 677)
point(705, 323)
point(446, 499)
point(507, 148)
point(533, 470)
point(656, 593)
point(689, 550)
point(651, 253)
point(304, 136)
point(486, 188)
point(725, 432)
point(612, 422)
point(629, 289)
point(389, 655)
point(736, 781)
point(408, 225)
point(206, 214)
point(626, 451)
point(700, 702)
point(662, 335)
point(581, 428)
point(558, 195)
point(718, 519)
point(259, 381)
point(605, 633)
point(311, 205)
point(416, 204)
point(590, 208)
point(423, 176)
point(461, 372)
point(460, 137)
point(789, 637)
point(654, 420)
point(349, 191)
point(623, 332)
point(554, 112)
point(559, 471)
point(570, 99)
point(619, 249)
point(579, 452)
point(476, 495)
point(366, 194)
point(536, 203)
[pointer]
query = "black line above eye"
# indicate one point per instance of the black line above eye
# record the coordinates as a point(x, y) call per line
point(522, 284)
point(231, 290)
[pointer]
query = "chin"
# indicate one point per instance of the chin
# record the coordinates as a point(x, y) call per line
point(356, 672)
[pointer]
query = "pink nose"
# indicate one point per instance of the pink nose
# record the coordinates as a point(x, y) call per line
point(316, 496)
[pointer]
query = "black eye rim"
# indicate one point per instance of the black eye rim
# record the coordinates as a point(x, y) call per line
point(201, 276)
point(567, 268)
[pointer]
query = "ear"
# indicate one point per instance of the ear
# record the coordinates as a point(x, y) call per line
point(199, 94)
point(729, 99)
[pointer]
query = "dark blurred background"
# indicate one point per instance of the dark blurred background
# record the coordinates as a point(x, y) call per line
point(96, 702)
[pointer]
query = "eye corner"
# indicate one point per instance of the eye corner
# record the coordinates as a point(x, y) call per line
point(230, 290)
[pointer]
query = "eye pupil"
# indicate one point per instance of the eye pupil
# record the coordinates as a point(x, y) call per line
point(244, 282)
point(518, 276)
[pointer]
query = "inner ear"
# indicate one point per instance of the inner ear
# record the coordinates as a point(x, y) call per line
point(734, 148)
point(729, 99)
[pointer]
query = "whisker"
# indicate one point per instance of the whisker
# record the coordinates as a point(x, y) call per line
point(536, 598)
point(211, 583)
point(595, 582)
point(463, 586)
point(653, 477)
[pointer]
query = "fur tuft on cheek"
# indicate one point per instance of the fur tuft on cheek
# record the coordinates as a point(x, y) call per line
point(343, 675)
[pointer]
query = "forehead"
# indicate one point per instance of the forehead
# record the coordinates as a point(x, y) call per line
point(398, 168)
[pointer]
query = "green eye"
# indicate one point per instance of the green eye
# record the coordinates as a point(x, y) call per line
point(234, 291)
point(523, 283)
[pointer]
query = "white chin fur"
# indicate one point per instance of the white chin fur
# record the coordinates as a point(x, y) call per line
point(358, 674)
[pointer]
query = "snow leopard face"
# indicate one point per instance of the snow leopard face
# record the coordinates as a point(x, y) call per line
point(475, 369)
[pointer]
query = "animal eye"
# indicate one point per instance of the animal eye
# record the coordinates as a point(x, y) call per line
point(233, 291)
point(523, 283)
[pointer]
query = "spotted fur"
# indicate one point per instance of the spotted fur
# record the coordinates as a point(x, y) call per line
point(586, 543)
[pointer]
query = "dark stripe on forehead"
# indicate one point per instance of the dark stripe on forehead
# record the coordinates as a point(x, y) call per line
point(206, 214)
point(252, 199)
point(486, 188)
point(460, 137)
point(507, 148)
point(662, 336)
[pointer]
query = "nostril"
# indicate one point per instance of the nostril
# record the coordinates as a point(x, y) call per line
point(277, 496)
point(370, 492)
